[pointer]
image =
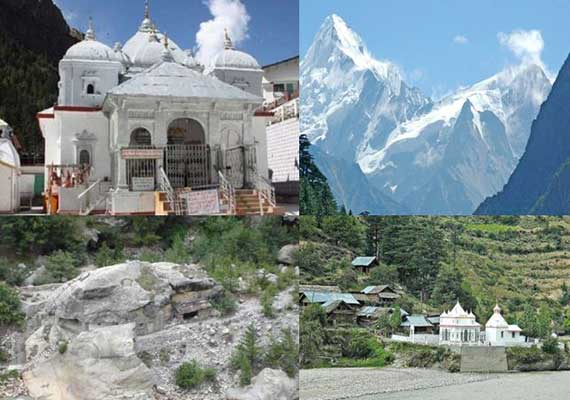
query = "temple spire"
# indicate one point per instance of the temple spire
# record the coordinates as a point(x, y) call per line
point(228, 44)
point(146, 25)
point(166, 55)
point(147, 9)
point(90, 34)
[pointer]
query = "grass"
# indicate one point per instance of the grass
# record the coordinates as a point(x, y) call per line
point(491, 228)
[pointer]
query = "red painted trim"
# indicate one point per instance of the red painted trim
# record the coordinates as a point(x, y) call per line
point(76, 108)
point(45, 116)
point(264, 114)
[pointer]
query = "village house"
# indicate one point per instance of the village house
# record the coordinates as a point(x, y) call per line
point(368, 315)
point(9, 172)
point(145, 129)
point(364, 264)
point(381, 295)
point(417, 324)
point(340, 313)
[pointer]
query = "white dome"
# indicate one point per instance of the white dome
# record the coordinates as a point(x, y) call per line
point(90, 50)
point(230, 58)
point(143, 52)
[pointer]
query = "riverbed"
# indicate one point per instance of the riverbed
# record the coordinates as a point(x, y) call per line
point(428, 384)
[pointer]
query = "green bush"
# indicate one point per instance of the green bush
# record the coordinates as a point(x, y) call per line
point(150, 256)
point(225, 304)
point(247, 356)
point(266, 300)
point(10, 313)
point(11, 273)
point(178, 252)
point(283, 353)
point(360, 344)
point(62, 348)
point(550, 346)
point(60, 267)
point(190, 375)
point(106, 256)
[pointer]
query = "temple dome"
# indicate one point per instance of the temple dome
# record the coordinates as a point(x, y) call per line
point(121, 56)
point(232, 58)
point(90, 49)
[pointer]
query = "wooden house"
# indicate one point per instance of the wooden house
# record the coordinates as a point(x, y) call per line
point(381, 295)
point(364, 264)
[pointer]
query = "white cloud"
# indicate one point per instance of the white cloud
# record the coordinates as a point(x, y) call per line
point(460, 39)
point(526, 45)
point(227, 14)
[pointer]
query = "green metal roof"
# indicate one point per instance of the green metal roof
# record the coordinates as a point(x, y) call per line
point(417, 320)
point(363, 261)
point(320, 297)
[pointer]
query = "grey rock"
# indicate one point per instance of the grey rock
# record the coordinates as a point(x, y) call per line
point(286, 254)
point(269, 384)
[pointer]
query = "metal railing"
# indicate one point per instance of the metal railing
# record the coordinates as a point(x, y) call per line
point(91, 197)
point(171, 195)
point(286, 111)
point(228, 193)
point(266, 193)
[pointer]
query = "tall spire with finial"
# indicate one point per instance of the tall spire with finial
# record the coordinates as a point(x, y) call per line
point(90, 34)
point(146, 25)
point(228, 44)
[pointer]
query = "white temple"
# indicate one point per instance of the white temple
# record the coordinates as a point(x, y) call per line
point(141, 129)
point(458, 327)
point(9, 171)
point(499, 333)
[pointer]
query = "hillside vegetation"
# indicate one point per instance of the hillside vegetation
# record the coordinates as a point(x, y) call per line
point(523, 263)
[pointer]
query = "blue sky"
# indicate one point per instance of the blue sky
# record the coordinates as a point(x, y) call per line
point(444, 44)
point(273, 28)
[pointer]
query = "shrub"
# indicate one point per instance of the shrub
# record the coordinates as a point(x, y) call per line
point(178, 252)
point(550, 346)
point(150, 256)
point(225, 304)
point(106, 256)
point(10, 313)
point(11, 273)
point(247, 356)
point(283, 353)
point(60, 267)
point(190, 375)
point(360, 344)
point(266, 300)
point(62, 348)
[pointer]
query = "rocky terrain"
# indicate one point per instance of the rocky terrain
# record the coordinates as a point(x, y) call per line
point(120, 332)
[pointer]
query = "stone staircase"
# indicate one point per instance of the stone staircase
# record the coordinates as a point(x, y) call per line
point(247, 203)
point(483, 359)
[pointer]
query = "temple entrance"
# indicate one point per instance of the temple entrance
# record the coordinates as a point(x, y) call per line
point(241, 166)
point(187, 156)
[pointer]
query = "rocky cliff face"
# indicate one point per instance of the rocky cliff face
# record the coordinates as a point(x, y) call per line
point(36, 25)
point(121, 331)
point(33, 38)
point(536, 185)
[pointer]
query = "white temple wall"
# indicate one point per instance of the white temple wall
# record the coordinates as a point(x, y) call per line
point(86, 131)
point(76, 76)
point(247, 80)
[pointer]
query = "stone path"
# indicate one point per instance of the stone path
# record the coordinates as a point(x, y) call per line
point(425, 384)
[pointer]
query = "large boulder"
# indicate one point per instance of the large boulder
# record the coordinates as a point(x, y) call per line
point(147, 294)
point(269, 384)
point(286, 254)
point(99, 364)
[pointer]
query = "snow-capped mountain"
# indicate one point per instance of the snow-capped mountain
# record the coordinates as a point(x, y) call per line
point(350, 100)
point(440, 157)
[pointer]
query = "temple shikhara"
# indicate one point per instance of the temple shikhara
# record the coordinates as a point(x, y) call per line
point(145, 129)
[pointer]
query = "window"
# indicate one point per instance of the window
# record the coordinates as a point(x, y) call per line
point(84, 157)
point(513, 335)
point(279, 87)
point(90, 89)
point(140, 137)
point(502, 335)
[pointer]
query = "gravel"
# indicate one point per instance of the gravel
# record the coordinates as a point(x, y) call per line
point(426, 384)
